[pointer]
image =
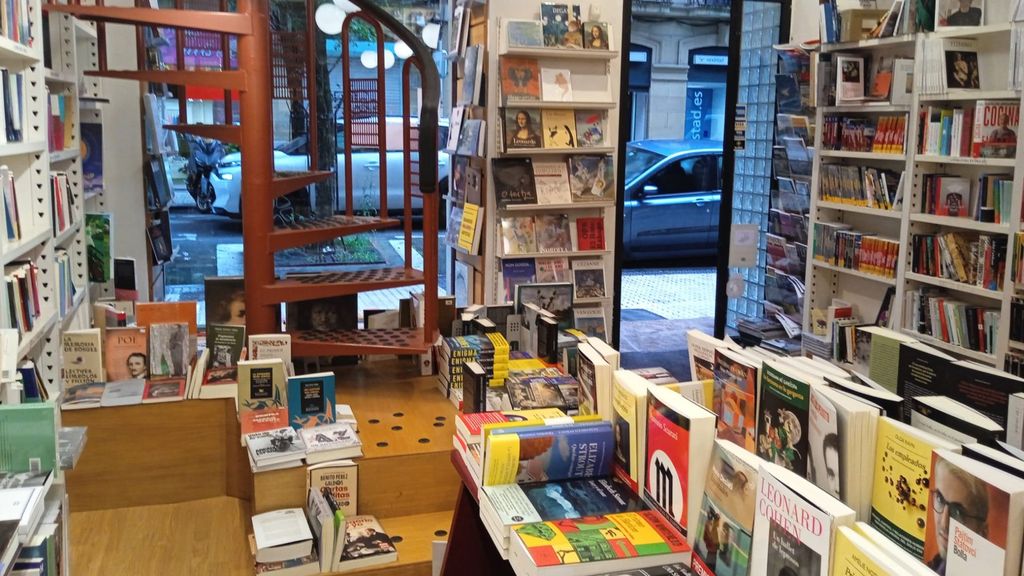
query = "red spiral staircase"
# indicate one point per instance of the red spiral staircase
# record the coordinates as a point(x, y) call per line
point(253, 82)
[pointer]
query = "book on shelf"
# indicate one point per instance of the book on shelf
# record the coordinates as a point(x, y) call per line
point(556, 84)
point(590, 233)
point(519, 235)
point(594, 374)
point(275, 448)
point(62, 202)
point(850, 79)
point(591, 321)
point(960, 63)
point(591, 178)
point(470, 228)
point(728, 507)
point(513, 181)
point(523, 129)
point(591, 128)
point(520, 79)
point(838, 245)
point(170, 389)
point(366, 544)
point(995, 457)
point(955, 14)
point(855, 554)
point(553, 297)
point(553, 233)
point(340, 479)
point(23, 280)
point(588, 279)
point(885, 134)
point(995, 128)
point(472, 79)
point(701, 349)
point(524, 33)
point(516, 271)
point(596, 544)
point(951, 320)
point(562, 25)
point(472, 137)
point(551, 179)
point(170, 350)
point(554, 269)
point(12, 217)
point(455, 119)
point(861, 186)
point(559, 128)
point(311, 400)
point(147, 313)
point(327, 524)
point(451, 236)
point(629, 417)
point(29, 441)
point(12, 91)
point(976, 261)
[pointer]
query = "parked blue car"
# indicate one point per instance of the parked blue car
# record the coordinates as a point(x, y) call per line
point(673, 193)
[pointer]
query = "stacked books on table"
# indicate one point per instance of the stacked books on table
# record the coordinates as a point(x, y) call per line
point(287, 448)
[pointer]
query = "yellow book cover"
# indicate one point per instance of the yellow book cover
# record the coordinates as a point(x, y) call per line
point(538, 453)
point(559, 128)
point(629, 395)
point(468, 228)
point(533, 417)
point(856, 556)
point(525, 364)
point(899, 497)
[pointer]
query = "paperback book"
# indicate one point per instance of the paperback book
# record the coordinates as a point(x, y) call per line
point(591, 178)
point(559, 128)
point(169, 350)
point(520, 79)
point(552, 182)
point(553, 233)
point(226, 343)
point(311, 400)
point(513, 181)
point(591, 128)
point(125, 354)
point(726, 526)
point(556, 84)
point(522, 129)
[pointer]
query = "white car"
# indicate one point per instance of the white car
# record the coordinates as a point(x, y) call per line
point(291, 157)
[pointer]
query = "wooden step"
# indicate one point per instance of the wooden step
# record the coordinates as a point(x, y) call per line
point(209, 21)
point(230, 133)
point(417, 535)
point(359, 342)
point(224, 80)
point(298, 288)
point(286, 183)
point(315, 230)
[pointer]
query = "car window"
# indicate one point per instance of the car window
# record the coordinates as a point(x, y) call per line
point(692, 174)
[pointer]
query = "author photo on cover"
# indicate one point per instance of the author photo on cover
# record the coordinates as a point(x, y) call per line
point(960, 13)
point(959, 496)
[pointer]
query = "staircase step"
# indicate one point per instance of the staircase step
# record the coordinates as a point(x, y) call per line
point(224, 80)
point(358, 342)
point(230, 133)
point(298, 288)
point(209, 21)
point(324, 229)
point(287, 183)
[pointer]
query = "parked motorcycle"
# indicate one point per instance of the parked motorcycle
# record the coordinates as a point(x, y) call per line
point(205, 155)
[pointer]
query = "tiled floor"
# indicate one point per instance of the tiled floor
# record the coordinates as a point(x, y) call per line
point(672, 293)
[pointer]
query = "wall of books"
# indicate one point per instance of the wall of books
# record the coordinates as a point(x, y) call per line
point(538, 137)
point(915, 191)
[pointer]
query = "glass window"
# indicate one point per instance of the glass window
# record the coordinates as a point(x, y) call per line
point(638, 160)
point(694, 174)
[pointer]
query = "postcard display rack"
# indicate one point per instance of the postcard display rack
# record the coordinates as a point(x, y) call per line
point(920, 304)
point(594, 78)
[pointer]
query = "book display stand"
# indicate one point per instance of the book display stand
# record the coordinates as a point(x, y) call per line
point(936, 259)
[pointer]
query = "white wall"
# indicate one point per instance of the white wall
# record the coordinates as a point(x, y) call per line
point(804, 24)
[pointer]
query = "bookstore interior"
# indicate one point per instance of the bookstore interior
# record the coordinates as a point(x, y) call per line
point(462, 406)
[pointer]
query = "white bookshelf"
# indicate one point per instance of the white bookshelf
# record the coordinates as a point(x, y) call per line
point(865, 291)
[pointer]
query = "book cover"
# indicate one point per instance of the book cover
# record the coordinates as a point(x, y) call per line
point(225, 343)
point(470, 137)
point(340, 479)
point(850, 87)
point(269, 346)
point(470, 227)
point(555, 21)
point(516, 271)
point(590, 128)
point(960, 59)
point(555, 297)
point(534, 393)
point(99, 258)
point(276, 445)
point(559, 128)
point(629, 403)
point(471, 78)
point(522, 129)
point(726, 525)
point(262, 386)
point(164, 390)
point(148, 313)
point(520, 79)
point(588, 279)
point(225, 300)
point(549, 453)
point(591, 178)
point(365, 538)
point(595, 36)
point(83, 395)
point(553, 270)
point(824, 464)
point(169, 350)
point(513, 181)
point(902, 472)
point(782, 432)
point(329, 437)
point(126, 354)
point(458, 114)
point(553, 233)
point(590, 321)
point(325, 314)
point(590, 233)
point(980, 533)
point(525, 33)
point(518, 234)
point(956, 13)
point(612, 537)
point(92, 156)
point(558, 500)
point(311, 400)
point(82, 357)
point(735, 397)
point(954, 196)
point(995, 129)
point(556, 84)
point(28, 436)
point(552, 182)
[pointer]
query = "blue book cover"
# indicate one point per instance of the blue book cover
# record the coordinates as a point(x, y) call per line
point(515, 272)
point(92, 156)
point(566, 452)
point(311, 400)
point(30, 383)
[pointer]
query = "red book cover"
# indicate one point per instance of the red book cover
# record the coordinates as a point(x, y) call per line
point(265, 419)
point(668, 457)
point(589, 234)
point(33, 272)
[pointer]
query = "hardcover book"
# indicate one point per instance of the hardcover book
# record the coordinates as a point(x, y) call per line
point(960, 60)
point(590, 321)
point(522, 129)
point(595, 36)
point(552, 182)
point(544, 453)
point(520, 79)
point(169, 350)
point(225, 343)
point(590, 128)
point(126, 354)
point(553, 233)
point(311, 400)
point(590, 233)
point(513, 181)
point(556, 84)
point(559, 128)
point(340, 479)
point(82, 357)
point(516, 271)
point(518, 235)
point(553, 270)
point(591, 178)
point(524, 33)
point(555, 298)
point(555, 20)
point(588, 279)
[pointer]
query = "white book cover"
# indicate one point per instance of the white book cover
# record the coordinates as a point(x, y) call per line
point(280, 528)
point(556, 84)
point(850, 79)
point(330, 437)
point(123, 392)
point(274, 446)
point(269, 346)
point(551, 180)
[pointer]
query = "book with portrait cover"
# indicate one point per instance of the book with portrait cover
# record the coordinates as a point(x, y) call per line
point(513, 181)
point(957, 13)
point(125, 354)
point(311, 400)
point(726, 526)
point(225, 300)
point(590, 128)
point(960, 60)
point(591, 178)
point(522, 129)
point(680, 438)
point(559, 128)
point(902, 472)
point(169, 350)
point(366, 544)
point(553, 233)
point(520, 79)
point(552, 182)
point(995, 129)
point(225, 343)
point(981, 532)
point(794, 525)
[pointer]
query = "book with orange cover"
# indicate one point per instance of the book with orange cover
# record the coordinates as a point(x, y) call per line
point(148, 313)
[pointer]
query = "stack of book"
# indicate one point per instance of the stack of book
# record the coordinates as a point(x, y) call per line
point(839, 245)
point(977, 261)
point(988, 130)
point(22, 281)
point(490, 350)
point(953, 196)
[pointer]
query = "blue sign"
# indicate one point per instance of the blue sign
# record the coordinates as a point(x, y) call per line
point(698, 112)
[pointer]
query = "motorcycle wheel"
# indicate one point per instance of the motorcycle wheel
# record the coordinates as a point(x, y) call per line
point(204, 200)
